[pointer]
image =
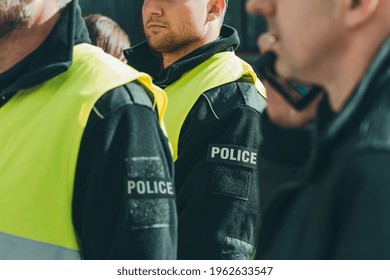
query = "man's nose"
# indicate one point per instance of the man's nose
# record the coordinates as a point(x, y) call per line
point(260, 7)
point(152, 7)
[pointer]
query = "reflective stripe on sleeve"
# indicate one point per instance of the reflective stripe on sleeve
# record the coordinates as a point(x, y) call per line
point(18, 248)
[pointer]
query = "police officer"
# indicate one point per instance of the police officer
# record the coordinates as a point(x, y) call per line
point(213, 123)
point(330, 202)
point(76, 126)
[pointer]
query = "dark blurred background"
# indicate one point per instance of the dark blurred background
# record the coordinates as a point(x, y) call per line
point(127, 13)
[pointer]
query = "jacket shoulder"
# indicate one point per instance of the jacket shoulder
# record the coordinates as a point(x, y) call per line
point(374, 128)
point(129, 94)
point(228, 97)
point(370, 129)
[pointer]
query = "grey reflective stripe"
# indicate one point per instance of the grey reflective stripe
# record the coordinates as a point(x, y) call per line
point(235, 249)
point(17, 248)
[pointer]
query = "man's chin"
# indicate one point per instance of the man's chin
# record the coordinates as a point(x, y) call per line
point(159, 46)
point(154, 46)
point(282, 69)
point(6, 29)
point(154, 41)
point(294, 75)
point(15, 19)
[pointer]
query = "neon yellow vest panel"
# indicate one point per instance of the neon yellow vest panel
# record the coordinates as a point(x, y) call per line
point(40, 134)
point(220, 69)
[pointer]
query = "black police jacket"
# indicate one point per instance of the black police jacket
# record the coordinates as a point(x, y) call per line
point(218, 203)
point(337, 206)
point(109, 224)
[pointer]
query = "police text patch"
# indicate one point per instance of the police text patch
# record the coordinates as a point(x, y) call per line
point(232, 155)
point(150, 188)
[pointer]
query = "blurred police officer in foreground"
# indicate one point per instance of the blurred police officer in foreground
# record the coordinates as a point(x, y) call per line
point(337, 208)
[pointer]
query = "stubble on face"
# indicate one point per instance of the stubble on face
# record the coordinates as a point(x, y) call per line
point(13, 14)
point(171, 39)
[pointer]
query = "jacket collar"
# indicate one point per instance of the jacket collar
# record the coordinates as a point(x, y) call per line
point(54, 56)
point(142, 58)
point(371, 86)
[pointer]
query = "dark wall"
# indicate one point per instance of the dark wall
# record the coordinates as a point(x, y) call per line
point(248, 27)
point(128, 14)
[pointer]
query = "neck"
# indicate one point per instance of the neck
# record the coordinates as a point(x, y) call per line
point(24, 40)
point(351, 66)
point(172, 57)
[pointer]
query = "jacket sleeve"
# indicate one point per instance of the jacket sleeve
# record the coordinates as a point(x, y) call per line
point(218, 194)
point(124, 201)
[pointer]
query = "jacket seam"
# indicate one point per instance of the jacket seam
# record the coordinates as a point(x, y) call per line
point(98, 113)
point(117, 108)
point(211, 106)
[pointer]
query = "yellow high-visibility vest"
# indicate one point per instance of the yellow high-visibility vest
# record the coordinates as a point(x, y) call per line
point(220, 69)
point(40, 134)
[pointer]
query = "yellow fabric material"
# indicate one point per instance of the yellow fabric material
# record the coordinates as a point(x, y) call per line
point(220, 69)
point(40, 134)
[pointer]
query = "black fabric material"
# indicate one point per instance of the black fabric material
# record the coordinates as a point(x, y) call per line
point(338, 208)
point(122, 125)
point(216, 202)
point(292, 146)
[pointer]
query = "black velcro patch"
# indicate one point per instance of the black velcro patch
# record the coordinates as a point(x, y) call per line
point(145, 167)
point(232, 155)
point(231, 181)
point(148, 213)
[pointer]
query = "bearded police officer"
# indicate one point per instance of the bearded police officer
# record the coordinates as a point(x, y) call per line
point(213, 123)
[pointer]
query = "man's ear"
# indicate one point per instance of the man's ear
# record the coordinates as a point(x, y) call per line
point(216, 9)
point(360, 11)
